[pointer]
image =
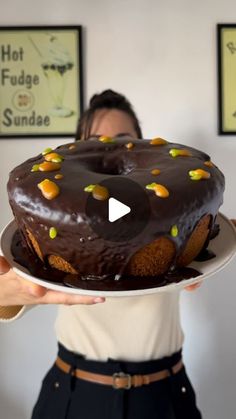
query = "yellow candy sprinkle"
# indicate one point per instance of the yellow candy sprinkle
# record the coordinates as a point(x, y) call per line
point(174, 231)
point(46, 151)
point(52, 233)
point(35, 168)
point(175, 152)
point(89, 188)
point(194, 176)
point(151, 185)
point(105, 139)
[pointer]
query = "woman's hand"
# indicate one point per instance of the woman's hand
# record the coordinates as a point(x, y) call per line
point(15, 290)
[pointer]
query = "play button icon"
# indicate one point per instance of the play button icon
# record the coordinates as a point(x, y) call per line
point(123, 215)
point(116, 209)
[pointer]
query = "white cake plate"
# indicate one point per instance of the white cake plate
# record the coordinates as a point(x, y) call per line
point(224, 247)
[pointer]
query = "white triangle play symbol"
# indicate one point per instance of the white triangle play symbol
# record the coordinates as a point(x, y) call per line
point(116, 209)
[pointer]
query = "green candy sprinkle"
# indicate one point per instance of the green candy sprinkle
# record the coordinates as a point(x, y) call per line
point(151, 185)
point(57, 160)
point(35, 168)
point(174, 231)
point(46, 151)
point(53, 233)
point(89, 188)
point(106, 140)
point(194, 176)
point(174, 152)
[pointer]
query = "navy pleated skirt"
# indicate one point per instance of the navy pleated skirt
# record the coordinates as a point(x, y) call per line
point(64, 396)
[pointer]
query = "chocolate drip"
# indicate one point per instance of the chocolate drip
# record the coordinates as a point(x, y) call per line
point(103, 283)
point(214, 232)
point(205, 255)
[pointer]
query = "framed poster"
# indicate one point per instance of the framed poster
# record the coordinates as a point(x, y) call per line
point(41, 90)
point(226, 47)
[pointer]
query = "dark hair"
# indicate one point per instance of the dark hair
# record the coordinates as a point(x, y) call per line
point(108, 99)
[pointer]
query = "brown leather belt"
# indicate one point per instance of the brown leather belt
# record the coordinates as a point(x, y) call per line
point(119, 380)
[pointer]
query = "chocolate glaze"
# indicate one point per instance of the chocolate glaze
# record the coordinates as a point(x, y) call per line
point(91, 162)
point(24, 257)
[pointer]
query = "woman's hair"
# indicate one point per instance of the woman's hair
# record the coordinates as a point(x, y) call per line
point(108, 99)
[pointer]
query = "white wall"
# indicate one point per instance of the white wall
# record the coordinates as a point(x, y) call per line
point(162, 55)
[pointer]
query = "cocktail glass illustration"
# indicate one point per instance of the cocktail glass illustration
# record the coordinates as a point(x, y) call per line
point(56, 63)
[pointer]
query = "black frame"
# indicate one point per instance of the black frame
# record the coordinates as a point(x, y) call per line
point(79, 63)
point(222, 77)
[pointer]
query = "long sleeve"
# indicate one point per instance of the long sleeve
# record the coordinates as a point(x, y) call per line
point(10, 313)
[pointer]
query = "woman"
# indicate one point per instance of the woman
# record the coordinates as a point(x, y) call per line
point(119, 345)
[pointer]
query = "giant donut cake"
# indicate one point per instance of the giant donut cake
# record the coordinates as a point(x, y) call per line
point(48, 195)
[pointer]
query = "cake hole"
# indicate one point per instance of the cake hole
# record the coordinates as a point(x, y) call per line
point(113, 170)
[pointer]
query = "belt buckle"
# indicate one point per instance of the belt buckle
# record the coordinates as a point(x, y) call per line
point(121, 375)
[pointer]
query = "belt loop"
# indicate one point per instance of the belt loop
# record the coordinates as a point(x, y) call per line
point(72, 370)
point(72, 377)
point(170, 370)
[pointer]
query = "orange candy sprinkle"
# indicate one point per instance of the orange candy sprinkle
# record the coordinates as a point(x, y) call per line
point(49, 189)
point(209, 163)
point(204, 174)
point(158, 141)
point(58, 176)
point(129, 145)
point(49, 166)
point(100, 192)
point(161, 191)
point(155, 172)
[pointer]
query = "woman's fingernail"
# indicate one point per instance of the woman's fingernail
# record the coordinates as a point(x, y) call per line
point(99, 300)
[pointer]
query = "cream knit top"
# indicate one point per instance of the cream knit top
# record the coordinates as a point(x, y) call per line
point(129, 328)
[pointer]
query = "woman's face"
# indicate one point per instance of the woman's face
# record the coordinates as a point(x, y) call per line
point(112, 123)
